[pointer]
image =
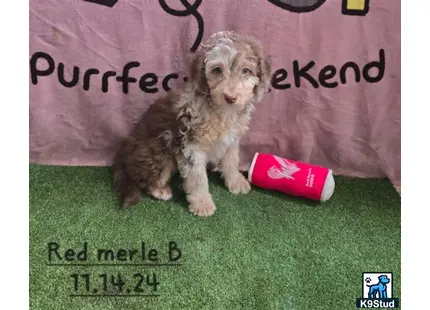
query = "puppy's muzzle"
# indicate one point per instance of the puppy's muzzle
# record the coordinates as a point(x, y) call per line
point(229, 98)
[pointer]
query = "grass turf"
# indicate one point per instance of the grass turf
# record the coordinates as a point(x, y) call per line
point(260, 251)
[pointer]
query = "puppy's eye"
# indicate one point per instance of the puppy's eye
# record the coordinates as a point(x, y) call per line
point(217, 70)
point(246, 71)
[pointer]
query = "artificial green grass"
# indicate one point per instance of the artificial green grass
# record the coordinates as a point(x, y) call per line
point(263, 250)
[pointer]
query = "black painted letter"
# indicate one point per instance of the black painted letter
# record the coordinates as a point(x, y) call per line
point(87, 77)
point(33, 66)
point(105, 80)
point(173, 247)
point(279, 76)
point(299, 73)
point(53, 248)
point(61, 78)
point(147, 80)
point(326, 74)
point(125, 79)
point(380, 65)
point(352, 65)
point(167, 79)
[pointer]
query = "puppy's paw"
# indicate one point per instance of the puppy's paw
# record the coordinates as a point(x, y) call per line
point(202, 207)
point(237, 184)
point(162, 193)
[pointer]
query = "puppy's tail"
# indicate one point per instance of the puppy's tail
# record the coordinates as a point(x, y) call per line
point(125, 187)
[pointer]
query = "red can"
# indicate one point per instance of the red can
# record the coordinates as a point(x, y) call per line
point(291, 177)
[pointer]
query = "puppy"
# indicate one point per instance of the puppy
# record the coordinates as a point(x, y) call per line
point(198, 125)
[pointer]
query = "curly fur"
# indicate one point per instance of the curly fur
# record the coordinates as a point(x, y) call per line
point(198, 125)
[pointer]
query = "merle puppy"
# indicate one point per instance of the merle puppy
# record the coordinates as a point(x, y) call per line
point(198, 125)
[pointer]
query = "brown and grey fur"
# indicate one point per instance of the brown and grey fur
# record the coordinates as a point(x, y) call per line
point(198, 125)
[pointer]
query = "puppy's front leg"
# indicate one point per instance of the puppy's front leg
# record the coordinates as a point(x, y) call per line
point(193, 171)
point(234, 180)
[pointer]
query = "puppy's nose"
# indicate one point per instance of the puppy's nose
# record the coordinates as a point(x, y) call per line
point(230, 98)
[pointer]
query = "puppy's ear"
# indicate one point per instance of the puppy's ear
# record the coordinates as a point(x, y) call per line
point(197, 76)
point(264, 74)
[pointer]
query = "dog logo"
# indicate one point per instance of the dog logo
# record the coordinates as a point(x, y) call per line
point(377, 291)
point(287, 169)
